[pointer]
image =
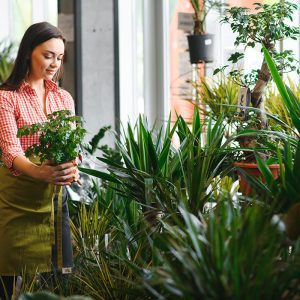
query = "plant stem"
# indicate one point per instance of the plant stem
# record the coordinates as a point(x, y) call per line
point(260, 86)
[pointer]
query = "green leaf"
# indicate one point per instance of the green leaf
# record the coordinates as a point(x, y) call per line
point(235, 57)
point(99, 174)
point(59, 138)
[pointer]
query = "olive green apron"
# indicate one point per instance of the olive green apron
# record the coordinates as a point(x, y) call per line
point(27, 224)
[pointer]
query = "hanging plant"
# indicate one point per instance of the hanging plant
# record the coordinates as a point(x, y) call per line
point(201, 42)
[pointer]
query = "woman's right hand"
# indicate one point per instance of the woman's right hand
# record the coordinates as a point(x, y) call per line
point(63, 174)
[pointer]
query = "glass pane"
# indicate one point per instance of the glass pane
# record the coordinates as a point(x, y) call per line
point(21, 18)
point(22, 15)
point(180, 67)
point(52, 12)
point(253, 57)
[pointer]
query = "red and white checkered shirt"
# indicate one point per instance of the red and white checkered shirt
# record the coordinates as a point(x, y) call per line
point(22, 107)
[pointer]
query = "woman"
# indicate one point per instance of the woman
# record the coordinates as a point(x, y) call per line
point(26, 186)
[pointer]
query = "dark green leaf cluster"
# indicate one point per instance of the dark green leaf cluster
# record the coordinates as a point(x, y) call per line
point(238, 76)
point(286, 62)
point(155, 172)
point(268, 25)
point(228, 254)
point(60, 137)
point(92, 146)
point(283, 192)
point(235, 57)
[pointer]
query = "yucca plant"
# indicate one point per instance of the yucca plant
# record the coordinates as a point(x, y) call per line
point(142, 175)
point(49, 296)
point(45, 286)
point(282, 194)
point(156, 175)
point(218, 95)
point(290, 100)
point(275, 106)
point(105, 245)
point(203, 157)
point(228, 254)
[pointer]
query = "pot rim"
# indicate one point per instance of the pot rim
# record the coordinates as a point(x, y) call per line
point(253, 165)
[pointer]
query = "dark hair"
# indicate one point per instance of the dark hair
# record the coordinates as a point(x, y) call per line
point(35, 35)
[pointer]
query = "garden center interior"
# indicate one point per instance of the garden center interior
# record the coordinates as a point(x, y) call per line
point(172, 219)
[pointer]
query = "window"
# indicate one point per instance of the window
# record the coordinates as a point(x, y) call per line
point(17, 15)
point(181, 71)
point(131, 57)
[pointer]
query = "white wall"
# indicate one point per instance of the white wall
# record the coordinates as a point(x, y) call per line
point(98, 65)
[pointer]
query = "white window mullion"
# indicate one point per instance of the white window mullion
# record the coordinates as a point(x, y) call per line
point(156, 60)
point(128, 60)
point(165, 58)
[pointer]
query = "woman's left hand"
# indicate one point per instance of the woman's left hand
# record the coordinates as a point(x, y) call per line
point(76, 173)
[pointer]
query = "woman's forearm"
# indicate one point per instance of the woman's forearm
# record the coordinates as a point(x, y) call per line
point(63, 174)
point(25, 166)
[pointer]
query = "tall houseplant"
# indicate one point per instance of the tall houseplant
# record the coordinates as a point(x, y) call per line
point(267, 26)
point(200, 42)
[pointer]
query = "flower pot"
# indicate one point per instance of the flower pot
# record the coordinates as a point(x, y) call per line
point(201, 48)
point(252, 169)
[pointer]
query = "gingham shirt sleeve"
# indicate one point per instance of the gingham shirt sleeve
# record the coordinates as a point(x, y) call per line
point(9, 143)
point(68, 100)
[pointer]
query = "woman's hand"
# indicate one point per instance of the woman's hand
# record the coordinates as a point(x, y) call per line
point(63, 174)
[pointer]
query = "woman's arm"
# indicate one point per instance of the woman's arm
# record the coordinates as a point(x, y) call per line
point(63, 174)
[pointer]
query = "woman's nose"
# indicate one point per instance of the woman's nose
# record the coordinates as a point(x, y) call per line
point(55, 62)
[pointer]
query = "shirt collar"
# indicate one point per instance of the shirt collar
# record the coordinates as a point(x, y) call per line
point(49, 85)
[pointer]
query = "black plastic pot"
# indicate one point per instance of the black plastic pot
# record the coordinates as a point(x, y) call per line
point(201, 48)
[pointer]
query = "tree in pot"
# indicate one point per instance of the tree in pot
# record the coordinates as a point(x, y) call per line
point(200, 42)
point(267, 26)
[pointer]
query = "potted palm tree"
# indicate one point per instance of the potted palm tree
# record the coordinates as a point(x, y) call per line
point(268, 25)
point(200, 42)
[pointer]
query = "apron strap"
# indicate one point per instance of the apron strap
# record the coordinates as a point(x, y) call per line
point(57, 193)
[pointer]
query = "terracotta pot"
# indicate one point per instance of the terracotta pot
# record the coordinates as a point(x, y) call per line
point(252, 169)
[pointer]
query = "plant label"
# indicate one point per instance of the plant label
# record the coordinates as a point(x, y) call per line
point(244, 98)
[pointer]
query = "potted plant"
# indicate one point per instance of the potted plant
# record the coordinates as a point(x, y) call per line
point(267, 26)
point(200, 42)
point(59, 137)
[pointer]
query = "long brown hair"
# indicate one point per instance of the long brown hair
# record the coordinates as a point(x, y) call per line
point(35, 35)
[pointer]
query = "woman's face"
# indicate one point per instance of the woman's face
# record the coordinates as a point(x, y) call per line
point(46, 59)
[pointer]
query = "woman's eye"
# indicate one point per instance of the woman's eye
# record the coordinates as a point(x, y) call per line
point(47, 56)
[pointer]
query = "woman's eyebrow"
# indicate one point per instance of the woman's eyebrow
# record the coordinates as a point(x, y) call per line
point(53, 52)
